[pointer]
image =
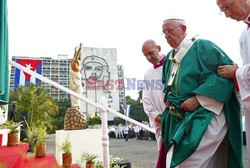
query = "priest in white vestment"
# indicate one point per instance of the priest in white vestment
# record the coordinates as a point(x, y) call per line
point(240, 10)
point(153, 96)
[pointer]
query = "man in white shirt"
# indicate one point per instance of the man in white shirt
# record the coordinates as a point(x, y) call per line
point(240, 10)
point(153, 96)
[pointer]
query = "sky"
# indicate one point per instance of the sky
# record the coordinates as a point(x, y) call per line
point(46, 28)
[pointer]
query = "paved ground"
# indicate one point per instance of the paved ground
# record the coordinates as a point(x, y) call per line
point(141, 153)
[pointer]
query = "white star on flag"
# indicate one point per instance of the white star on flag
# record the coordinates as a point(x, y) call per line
point(28, 66)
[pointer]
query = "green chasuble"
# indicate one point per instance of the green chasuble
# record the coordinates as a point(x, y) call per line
point(197, 74)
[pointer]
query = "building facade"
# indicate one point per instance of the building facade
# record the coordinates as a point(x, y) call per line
point(56, 70)
point(122, 98)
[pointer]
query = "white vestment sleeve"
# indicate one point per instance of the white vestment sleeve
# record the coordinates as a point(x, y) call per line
point(149, 108)
point(243, 80)
point(244, 92)
point(152, 96)
point(210, 104)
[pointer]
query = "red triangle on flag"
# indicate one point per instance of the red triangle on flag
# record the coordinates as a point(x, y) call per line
point(31, 64)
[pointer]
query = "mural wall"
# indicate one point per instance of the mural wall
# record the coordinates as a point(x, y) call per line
point(100, 78)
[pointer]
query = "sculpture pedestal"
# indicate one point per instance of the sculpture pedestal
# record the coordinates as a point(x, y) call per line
point(87, 140)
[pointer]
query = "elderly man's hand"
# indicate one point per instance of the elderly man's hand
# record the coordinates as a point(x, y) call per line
point(190, 104)
point(227, 71)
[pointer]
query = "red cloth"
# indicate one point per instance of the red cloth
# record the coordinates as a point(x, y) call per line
point(160, 63)
point(49, 161)
point(161, 161)
point(13, 157)
point(1, 139)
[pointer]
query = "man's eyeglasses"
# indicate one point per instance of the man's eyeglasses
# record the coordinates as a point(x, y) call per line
point(170, 30)
point(226, 7)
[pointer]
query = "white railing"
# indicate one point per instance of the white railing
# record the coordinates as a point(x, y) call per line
point(102, 106)
point(105, 137)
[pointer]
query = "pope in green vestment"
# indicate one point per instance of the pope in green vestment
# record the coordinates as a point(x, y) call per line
point(197, 75)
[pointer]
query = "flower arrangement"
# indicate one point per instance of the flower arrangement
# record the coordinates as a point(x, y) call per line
point(99, 164)
point(32, 139)
point(117, 166)
point(13, 126)
point(89, 158)
point(13, 134)
point(41, 135)
point(40, 143)
point(94, 119)
point(112, 162)
point(66, 146)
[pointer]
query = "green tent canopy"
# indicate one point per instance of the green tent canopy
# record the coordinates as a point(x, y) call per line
point(4, 58)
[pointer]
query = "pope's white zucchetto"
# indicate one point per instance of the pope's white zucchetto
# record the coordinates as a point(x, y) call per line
point(175, 17)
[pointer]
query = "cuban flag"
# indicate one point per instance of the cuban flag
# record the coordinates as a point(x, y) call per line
point(126, 109)
point(22, 77)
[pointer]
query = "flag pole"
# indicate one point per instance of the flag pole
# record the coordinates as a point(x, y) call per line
point(124, 102)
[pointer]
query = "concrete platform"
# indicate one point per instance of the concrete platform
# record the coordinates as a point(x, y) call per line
point(83, 141)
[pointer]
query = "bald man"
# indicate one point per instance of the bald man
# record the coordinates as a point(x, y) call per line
point(239, 10)
point(153, 96)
